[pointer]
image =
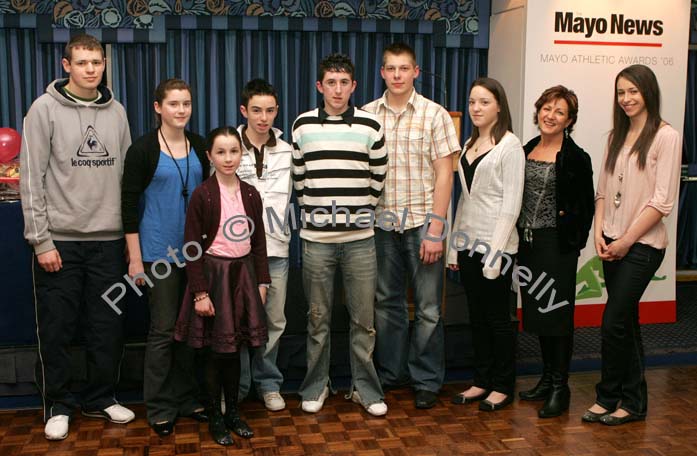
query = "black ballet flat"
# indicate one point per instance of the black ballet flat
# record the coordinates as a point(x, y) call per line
point(592, 417)
point(201, 416)
point(488, 406)
point(163, 429)
point(616, 420)
point(460, 399)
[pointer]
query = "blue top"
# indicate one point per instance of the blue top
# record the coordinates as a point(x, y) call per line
point(163, 211)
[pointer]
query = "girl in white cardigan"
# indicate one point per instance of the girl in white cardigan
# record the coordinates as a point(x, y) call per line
point(485, 241)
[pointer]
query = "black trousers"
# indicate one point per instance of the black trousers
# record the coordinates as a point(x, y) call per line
point(493, 332)
point(622, 374)
point(169, 383)
point(61, 299)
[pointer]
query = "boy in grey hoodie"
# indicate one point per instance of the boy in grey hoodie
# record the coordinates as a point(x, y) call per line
point(75, 138)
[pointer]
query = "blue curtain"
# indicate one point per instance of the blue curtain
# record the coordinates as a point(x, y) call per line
point(687, 209)
point(27, 68)
point(217, 64)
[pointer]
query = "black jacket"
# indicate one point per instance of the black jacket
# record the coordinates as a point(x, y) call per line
point(139, 168)
point(574, 193)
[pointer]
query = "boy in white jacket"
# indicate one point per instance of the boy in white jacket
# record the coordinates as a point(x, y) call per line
point(266, 163)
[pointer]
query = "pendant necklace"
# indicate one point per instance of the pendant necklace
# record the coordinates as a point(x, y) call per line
point(618, 196)
point(185, 182)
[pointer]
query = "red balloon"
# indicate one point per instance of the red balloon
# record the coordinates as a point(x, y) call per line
point(10, 143)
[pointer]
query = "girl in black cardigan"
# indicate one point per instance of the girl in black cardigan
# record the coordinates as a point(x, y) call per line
point(161, 171)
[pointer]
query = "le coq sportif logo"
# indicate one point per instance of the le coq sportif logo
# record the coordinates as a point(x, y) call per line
point(92, 153)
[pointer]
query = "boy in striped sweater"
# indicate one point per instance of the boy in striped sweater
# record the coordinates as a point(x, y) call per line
point(339, 165)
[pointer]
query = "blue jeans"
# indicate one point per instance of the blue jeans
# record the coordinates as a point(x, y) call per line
point(357, 262)
point(267, 377)
point(398, 360)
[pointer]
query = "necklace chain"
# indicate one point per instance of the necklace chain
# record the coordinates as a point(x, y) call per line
point(620, 177)
point(185, 182)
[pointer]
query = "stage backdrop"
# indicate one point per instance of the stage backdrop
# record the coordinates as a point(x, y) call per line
point(583, 45)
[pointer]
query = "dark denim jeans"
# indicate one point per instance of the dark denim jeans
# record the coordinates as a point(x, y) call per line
point(622, 372)
point(421, 360)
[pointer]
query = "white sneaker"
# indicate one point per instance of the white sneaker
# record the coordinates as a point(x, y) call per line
point(375, 409)
point(116, 413)
point(274, 401)
point(315, 406)
point(57, 427)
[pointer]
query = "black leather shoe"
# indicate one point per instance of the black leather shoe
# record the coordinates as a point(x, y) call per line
point(592, 417)
point(238, 425)
point(488, 406)
point(425, 399)
point(201, 416)
point(616, 421)
point(541, 391)
point(460, 399)
point(557, 402)
point(216, 426)
point(163, 429)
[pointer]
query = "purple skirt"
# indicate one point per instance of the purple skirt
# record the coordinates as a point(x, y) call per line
point(239, 317)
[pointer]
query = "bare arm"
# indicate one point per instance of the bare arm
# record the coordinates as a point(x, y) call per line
point(600, 245)
point(135, 257)
point(431, 251)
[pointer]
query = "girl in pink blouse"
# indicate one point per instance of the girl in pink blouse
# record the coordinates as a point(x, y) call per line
point(637, 187)
point(227, 271)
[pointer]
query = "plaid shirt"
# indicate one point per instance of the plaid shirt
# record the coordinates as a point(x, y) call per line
point(417, 136)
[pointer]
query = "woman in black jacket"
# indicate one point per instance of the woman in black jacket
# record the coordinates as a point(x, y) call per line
point(558, 206)
point(161, 171)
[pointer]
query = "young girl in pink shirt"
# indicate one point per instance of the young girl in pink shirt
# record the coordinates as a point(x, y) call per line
point(227, 271)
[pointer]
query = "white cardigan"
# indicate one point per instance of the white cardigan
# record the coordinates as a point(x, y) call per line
point(489, 210)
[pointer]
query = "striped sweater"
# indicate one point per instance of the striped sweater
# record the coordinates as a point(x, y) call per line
point(339, 166)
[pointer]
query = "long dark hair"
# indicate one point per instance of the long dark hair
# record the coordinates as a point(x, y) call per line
point(503, 123)
point(645, 80)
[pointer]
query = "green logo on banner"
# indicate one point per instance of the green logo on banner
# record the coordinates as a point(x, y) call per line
point(591, 277)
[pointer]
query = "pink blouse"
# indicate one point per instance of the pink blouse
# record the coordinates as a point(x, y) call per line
point(655, 186)
point(232, 219)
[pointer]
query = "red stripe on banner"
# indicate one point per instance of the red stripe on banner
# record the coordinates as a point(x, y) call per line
point(609, 43)
point(649, 312)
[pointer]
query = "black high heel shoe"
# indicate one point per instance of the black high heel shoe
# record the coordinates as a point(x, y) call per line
point(539, 392)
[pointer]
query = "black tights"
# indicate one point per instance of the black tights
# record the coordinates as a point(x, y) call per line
point(222, 374)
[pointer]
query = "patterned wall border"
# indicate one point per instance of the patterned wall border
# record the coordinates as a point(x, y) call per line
point(456, 16)
point(158, 26)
